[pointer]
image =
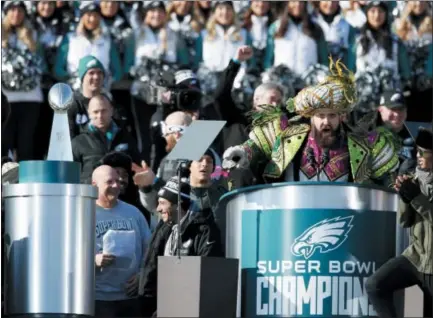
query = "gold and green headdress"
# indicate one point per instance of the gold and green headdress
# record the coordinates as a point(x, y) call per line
point(337, 92)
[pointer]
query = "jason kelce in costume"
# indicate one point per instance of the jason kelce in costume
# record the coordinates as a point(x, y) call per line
point(315, 145)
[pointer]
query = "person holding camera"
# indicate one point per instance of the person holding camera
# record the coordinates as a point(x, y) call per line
point(153, 46)
point(415, 266)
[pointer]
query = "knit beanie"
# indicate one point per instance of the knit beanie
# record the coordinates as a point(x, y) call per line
point(170, 192)
point(88, 62)
point(424, 139)
point(372, 4)
point(149, 5)
point(218, 2)
point(13, 3)
point(117, 159)
point(88, 6)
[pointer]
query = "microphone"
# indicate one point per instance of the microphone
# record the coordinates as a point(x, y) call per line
point(311, 158)
point(325, 158)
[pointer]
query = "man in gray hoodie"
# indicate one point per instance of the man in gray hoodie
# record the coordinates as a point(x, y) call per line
point(122, 236)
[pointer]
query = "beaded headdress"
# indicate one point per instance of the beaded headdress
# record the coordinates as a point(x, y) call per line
point(337, 93)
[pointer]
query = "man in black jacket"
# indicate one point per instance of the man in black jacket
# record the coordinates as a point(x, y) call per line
point(101, 136)
point(167, 208)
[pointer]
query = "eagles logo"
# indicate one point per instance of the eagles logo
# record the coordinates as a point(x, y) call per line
point(325, 236)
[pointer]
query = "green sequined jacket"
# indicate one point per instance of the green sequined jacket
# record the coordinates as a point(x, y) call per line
point(274, 141)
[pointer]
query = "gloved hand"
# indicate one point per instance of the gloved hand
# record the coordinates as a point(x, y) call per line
point(235, 157)
point(409, 190)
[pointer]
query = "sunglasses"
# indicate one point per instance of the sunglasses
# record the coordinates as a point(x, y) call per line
point(424, 153)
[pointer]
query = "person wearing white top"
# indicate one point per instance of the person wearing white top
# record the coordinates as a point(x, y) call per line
point(257, 21)
point(339, 34)
point(295, 40)
point(376, 47)
point(222, 38)
point(19, 37)
point(183, 20)
point(88, 39)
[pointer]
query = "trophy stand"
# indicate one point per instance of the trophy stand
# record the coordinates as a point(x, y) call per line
point(50, 229)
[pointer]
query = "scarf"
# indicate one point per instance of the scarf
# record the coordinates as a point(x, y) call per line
point(172, 243)
point(111, 132)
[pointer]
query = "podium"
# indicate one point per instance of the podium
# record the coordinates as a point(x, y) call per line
point(306, 249)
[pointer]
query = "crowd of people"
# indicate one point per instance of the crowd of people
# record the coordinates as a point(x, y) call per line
point(309, 90)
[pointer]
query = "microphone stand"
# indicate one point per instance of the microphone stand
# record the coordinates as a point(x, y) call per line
point(324, 160)
point(181, 165)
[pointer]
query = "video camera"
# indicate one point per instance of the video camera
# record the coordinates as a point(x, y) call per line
point(174, 91)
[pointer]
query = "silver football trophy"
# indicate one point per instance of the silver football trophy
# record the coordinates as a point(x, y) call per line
point(60, 99)
point(50, 229)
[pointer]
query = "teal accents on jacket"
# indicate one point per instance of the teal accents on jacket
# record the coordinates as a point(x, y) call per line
point(403, 62)
point(61, 63)
point(270, 47)
point(350, 60)
point(322, 51)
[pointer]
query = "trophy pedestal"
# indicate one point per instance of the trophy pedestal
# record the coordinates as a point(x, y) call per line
point(50, 242)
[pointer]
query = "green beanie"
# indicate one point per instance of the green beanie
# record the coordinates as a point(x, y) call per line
point(88, 62)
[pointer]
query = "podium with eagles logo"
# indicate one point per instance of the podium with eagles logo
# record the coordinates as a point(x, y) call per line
point(306, 249)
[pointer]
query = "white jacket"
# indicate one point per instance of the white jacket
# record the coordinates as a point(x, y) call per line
point(149, 45)
point(80, 46)
point(296, 50)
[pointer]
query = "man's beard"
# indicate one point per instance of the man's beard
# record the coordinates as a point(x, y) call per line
point(326, 137)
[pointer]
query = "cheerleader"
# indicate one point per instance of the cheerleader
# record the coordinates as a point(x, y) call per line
point(20, 84)
point(295, 40)
point(154, 40)
point(222, 38)
point(115, 24)
point(339, 34)
point(88, 39)
point(376, 48)
point(184, 20)
point(154, 44)
point(415, 29)
point(258, 19)
point(51, 29)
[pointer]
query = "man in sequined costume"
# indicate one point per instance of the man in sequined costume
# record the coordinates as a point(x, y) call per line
point(316, 145)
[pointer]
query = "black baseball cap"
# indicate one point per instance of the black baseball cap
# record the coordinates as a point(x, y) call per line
point(392, 100)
